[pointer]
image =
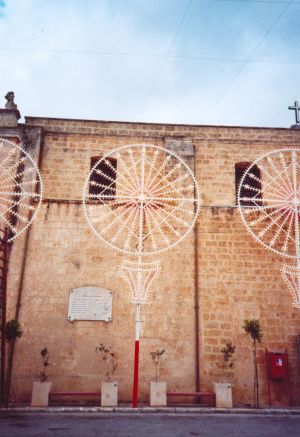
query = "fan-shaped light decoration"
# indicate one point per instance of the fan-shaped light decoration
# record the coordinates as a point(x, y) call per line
point(269, 205)
point(144, 204)
point(140, 277)
point(20, 188)
point(141, 200)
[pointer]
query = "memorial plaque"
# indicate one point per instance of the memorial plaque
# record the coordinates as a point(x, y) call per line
point(90, 303)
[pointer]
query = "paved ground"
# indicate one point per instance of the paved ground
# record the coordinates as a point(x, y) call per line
point(148, 424)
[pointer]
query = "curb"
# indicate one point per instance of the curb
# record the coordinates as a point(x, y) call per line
point(161, 410)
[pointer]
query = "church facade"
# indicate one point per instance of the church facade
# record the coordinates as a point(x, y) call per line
point(208, 285)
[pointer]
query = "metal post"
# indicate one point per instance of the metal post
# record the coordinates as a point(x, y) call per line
point(139, 289)
point(136, 356)
point(137, 337)
point(196, 295)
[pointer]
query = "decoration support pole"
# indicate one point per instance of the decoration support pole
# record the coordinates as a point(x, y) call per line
point(136, 356)
point(139, 289)
point(137, 339)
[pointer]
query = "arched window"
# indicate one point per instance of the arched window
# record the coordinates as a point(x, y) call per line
point(240, 168)
point(99, 181)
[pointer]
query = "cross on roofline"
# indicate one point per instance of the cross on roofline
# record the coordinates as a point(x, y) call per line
point(296, 108)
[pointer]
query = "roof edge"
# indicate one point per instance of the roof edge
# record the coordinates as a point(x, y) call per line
point(28, 119)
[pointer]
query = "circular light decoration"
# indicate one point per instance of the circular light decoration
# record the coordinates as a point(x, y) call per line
point(269, 204)
point(20, 188)
point(141, 198)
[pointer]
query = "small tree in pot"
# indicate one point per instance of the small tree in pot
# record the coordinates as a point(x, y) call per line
point(228, 352)
point(45, 358)
point(158, 390)
point(41, 389)
point(223, 390)
point(13, 331)
point(253, 329)
point(109, 358)
point(156, 355)
point(109, 389)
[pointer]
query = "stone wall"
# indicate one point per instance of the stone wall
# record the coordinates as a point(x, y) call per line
point(238, 279)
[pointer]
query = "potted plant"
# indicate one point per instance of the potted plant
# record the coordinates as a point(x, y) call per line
point(223, 390)
point(109, 389)
point(42, 387)
point(228, 355)
point(13, 331)
point(253, 329)
point(158, 389)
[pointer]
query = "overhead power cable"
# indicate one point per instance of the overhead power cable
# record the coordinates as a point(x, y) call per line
point(250, 56)
point(149, 55)
point(283, 108)
point(167, 54)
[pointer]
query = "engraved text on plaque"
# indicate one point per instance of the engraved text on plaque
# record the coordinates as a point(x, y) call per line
point(90, 303)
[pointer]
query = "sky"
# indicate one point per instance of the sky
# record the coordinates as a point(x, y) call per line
point(204, 62)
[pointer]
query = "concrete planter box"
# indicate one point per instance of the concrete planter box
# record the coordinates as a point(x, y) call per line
point(223, 392)
point(40, 393)
point(158, 394)
point(109, 394)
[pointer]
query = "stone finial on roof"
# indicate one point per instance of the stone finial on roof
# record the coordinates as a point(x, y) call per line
point(10, 115)
point(10, 104)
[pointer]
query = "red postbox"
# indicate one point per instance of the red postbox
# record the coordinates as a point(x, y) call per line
point(278, 365)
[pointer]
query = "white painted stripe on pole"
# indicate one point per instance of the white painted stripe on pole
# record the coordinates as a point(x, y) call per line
point(137, 322)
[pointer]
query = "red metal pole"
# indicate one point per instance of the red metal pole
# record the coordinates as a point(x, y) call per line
point(135, 388)
point(135, 374)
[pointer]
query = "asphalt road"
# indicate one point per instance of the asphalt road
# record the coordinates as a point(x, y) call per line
point(148, 424)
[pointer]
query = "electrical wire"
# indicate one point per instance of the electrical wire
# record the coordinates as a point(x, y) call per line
point(249, 57)
point(283, 108)
point(167, 55)
point(149, 55)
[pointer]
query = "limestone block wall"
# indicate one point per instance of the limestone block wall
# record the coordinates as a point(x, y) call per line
point(64, 254)
point(238, 279)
